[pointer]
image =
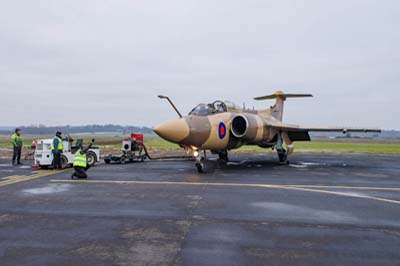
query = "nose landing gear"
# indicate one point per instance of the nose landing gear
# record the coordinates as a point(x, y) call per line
point(200, 161)
point(200, 165)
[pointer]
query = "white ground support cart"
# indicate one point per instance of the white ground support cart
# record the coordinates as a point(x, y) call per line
point(44, 156)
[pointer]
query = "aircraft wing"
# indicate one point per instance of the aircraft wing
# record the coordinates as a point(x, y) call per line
point(301, 133)
point(287, 127)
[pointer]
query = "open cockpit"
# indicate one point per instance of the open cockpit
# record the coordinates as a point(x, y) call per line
point(216, 107)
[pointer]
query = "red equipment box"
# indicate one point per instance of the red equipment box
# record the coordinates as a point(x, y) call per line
point(138, 137)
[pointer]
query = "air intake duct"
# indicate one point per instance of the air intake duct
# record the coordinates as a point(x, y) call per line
point(240, 126)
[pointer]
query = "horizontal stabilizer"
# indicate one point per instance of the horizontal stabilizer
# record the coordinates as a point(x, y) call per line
point(282, 95)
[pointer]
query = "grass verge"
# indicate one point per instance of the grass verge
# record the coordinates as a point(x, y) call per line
point(333, 146)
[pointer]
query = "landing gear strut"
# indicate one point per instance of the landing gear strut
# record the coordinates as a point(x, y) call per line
point(282, 153)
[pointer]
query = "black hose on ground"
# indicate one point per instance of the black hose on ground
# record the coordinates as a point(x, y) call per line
point(163, 157)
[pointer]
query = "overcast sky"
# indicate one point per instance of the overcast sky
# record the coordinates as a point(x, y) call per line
point(85, 62)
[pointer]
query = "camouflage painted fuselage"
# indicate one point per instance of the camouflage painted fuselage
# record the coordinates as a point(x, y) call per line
point(214, 132)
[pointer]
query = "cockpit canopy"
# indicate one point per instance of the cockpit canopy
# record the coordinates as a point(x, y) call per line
point(216, 107)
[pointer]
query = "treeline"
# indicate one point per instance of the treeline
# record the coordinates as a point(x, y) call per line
point(89, 129)
point(386, 134)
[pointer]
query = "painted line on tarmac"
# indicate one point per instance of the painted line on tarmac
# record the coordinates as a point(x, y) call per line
point(344, 187)
point(287, 187)
point(17, 179)
point(9, 177)
point(9, 180)
point(345, 194)
point(229, 184)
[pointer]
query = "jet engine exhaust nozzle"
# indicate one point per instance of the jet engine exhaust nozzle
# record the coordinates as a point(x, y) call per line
point(239, 126)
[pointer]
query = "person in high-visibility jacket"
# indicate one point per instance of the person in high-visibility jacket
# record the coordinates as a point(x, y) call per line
point(17, 143)
point(57, 149)
point(80, 162)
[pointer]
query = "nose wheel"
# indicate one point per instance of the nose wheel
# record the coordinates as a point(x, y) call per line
point(200, 166)
point(200, 163)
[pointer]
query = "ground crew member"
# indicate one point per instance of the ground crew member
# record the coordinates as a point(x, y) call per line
point(17, 143)
point(57, 148)
point(80, 162)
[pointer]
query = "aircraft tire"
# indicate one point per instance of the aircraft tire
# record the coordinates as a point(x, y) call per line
point(282, 156)
point(223, 157)
point(91, 158)
point(123, 160)
point(64, 162)
point(200, 168)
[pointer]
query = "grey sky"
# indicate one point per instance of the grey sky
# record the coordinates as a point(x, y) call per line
point(84, 62)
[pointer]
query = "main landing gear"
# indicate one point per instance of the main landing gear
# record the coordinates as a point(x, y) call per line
point(223, 157)
point(282, 153)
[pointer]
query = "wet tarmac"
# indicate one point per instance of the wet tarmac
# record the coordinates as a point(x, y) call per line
point(320, 210)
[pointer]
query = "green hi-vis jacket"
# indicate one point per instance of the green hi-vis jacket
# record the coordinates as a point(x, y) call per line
point(80, 159)
point(59, 143)
point(16, 140)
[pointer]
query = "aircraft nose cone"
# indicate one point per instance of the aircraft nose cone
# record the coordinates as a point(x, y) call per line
point(173, 131)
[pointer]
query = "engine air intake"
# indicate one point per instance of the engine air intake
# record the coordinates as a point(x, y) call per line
point(239, 126)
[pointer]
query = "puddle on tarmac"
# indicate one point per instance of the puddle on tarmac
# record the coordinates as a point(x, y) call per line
point(298, 165)
point(312, 164)
point(351, 194)
point(281, 209)
point(49, 189)
point(237, 163)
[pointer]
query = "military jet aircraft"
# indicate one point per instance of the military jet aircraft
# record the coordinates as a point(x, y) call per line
point(222, 126)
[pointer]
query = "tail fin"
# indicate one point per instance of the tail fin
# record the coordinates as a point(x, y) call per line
point(277, 109)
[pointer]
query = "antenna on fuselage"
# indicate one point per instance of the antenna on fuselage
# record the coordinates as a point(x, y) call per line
point(172, 104)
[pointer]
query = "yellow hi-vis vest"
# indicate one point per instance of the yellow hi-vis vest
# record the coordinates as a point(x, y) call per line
point(80, 159)
point(16, 140)
point(60, 144)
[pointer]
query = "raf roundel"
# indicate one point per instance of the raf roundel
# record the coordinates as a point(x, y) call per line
point(222, 130)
